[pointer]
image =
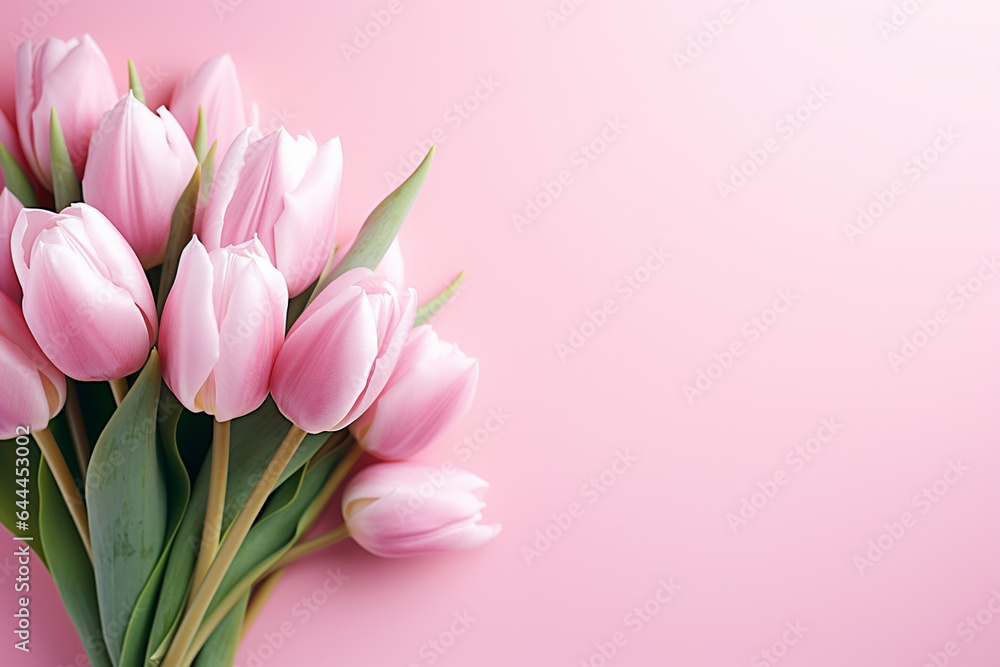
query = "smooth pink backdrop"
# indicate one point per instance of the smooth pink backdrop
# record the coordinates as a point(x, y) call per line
point(675, 132)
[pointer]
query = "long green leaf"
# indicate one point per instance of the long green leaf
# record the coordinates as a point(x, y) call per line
point(135, 83)
point(16, 179)
point(9, 467)
point(254, 439)
point(65, 184)
point(127, 505)
point(427, 311)
point(381, 226)
point(70, 568)
point(220, 649)
point(178, 493)
point(181, 228)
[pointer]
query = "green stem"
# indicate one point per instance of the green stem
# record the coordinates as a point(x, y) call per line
point(216, 504)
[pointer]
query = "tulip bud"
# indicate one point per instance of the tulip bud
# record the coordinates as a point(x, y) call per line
point(86, 298)
point(341, 351)
point(431, 387)
point(34, 389)
point(216, 89)
point(223, 324)
point(392, 265)
point(404, 509)
point(138, 166)
point(10, 207)
point(71, 77)
point(285, 191)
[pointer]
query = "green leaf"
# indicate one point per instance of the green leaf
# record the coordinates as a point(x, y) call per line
point(65, 184)
point(208, 173)
point(181, 229)
point(135, 84)
point(280, 526)
point(70, 568)
point(200, 143)
point(220, 649)
point(16, 179)
point(178, 494)
point(127, 505)
point(427, 311)
point(8, 507)
point(254, 439)
point(381, 226)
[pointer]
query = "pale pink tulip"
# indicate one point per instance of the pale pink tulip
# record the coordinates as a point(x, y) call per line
point(223, 323)
point(341, 351)
point(138, 166)
point(86, 298)
point(392, 265)
point(285, 191)
point(8, 137)
point(70, 76)
point(216, 89)
point(404, 509)
point(34, 389)
point(431, 387)
point(10, 207)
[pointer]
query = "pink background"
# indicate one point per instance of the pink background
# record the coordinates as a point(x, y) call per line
point(567, 419)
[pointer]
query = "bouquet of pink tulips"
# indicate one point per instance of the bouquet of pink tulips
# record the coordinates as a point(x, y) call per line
point(190, 369)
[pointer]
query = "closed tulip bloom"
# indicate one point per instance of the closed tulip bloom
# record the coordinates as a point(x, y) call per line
point(223, 323)
point(395, 510)
point(86, 298)
point(216, 89)
point(340, 352)
point(285, 191)
point(71, 77)
point(138, 166)
point(10, 207)
point(34, 389)
point(431, 387)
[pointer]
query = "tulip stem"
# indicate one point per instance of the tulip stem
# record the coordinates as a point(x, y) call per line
point(202, 597)
point(303, 549)
point(216, 505)
point(319, 503)
point(258, 598)
point(119, 388)
point(77, 427)
point(67, 486)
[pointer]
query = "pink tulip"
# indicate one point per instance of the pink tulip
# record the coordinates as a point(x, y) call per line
point(392, 265)
point(341, 351)
point(10, 207)
point(431, 387)
point(138, 166)
point(86, 298)
point(223, 324)
point(8, 137)
point(285, 191)
point(72, 77)
point(34, 389)
point(404, 509)
point(216, 89)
